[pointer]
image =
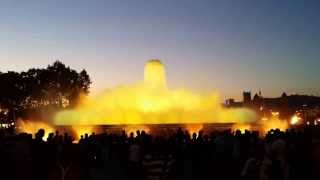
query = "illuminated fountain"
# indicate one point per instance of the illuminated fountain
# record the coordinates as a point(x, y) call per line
point(152, 106)
point(151, 102)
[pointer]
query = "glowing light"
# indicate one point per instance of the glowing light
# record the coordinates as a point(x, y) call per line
point(4, 125)
point(82, 130)
point(241, 127)
point(194, 128)
point(264, 119)
point(274, 123)
point(151, 102)
point(32, 127)
point(134, 129)
point(295, 120)
point(275, 113)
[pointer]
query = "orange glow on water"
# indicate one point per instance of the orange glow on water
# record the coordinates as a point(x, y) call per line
point(82, 130)
point(32, 127)
point(275, 123)
point(241, 127)
point(194, 128)
point(134, 129)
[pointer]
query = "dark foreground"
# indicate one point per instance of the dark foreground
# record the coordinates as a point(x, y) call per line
point(290, 155)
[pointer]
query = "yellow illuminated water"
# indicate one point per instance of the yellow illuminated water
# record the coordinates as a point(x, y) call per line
point(151, 102)
point(274, 122)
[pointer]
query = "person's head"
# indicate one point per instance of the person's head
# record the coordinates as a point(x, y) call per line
point(123, 133)
point(131, 135)
point(143, 133)
point(50, 136)
point(238, 132)
point(194, 135)
point(40, 133)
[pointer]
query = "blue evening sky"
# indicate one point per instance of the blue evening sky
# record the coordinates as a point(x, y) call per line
point(224, 45)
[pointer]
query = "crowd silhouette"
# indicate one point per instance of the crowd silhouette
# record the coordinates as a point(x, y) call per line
point(289, 155)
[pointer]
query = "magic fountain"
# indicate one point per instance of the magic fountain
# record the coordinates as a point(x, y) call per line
point(151, 104)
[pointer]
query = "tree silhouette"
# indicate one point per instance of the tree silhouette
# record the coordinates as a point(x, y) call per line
point(12, 89)
point(57, 86)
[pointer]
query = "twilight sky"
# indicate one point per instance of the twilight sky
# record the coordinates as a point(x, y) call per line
point(224, 45)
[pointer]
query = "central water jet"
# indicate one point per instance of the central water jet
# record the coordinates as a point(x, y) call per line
point(155, 74)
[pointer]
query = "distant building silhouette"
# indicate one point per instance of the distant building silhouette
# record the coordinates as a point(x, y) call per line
point(246, 98)
point(286, 105)
point(232, 103)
